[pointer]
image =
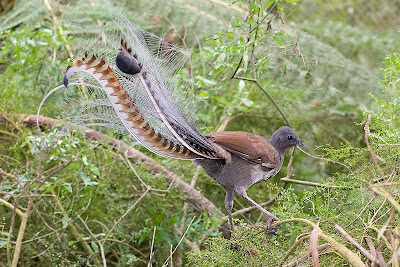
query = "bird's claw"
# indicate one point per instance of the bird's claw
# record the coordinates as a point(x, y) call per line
point(271, 230)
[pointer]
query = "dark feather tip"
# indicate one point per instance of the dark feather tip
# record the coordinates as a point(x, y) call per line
point(65, 80)
point(127, 63)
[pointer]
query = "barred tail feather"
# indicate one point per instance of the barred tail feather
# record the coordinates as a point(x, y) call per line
point(127, 111)
point(136, 72)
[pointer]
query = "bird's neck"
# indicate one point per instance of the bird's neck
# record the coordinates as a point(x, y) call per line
point(277, 144)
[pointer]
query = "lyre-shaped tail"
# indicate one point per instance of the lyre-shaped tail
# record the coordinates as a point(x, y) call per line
point(138, 83)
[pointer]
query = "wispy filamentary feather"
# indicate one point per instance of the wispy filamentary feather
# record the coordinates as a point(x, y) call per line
point(132, 77)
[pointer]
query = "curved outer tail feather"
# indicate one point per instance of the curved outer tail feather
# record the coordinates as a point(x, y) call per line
point(130, 115)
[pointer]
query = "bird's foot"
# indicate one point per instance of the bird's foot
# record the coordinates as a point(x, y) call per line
point(273, 229)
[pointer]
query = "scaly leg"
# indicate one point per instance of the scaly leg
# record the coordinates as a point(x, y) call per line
point(271, 218)
point(230, 195)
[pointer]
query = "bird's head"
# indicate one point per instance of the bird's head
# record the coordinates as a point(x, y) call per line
point(286, 137)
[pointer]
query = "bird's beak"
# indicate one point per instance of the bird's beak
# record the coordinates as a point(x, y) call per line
point(302, 144)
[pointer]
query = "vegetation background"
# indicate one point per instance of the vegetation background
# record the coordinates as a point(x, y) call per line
point(332, 68)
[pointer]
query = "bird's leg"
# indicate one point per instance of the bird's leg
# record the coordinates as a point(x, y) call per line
point(271, 218)
point(230, 195)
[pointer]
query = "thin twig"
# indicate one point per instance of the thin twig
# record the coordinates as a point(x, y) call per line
point(371, 152)
point(187, 229)
point(382, 192)
point(44, 251)
point(97, 241)
point(75, 233)
point(126, 213)
point(313, 184)
point(361, 212)
point(52, 172)
point(307, 256)
point(327, 160)
point(18, 128)
point(292, 248)
point(268, 95)
point(152, 247)
point(384, 227)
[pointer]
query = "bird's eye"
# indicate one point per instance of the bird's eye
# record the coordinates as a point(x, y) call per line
point(290, 137)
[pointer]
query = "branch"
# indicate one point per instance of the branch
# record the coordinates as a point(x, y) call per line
point(307, 256)
point(194, 197)
point(327, 160)
point(355, 243)
point(21, 234)
point(367, 132)
point(268, 95)
point(292, 249)
point(382, 192)
point(76, 234)
point(11, 206)
point(313, 184)
point(314, 245)
point(342, 250)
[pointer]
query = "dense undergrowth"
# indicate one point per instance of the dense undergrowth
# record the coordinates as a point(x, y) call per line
point(363, 202)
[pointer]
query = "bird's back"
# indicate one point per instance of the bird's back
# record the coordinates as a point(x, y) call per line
point(248, 159)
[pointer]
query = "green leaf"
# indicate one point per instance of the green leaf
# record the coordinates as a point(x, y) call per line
point(234, 22)
point(159, 218)
point(247, 102)
point(220, 60)
point(68, 187)
point(86, 179)
point(221, 100)
point(144, 236)
point(3, 244)
point(95, 170)
point(278, 41)
point(65, 220)
point(202, 94)
point(84, 159)
point(165, 237)
point(172, 221)
point(95, 247)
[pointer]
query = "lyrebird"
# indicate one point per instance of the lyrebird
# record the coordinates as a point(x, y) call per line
point(135, 71)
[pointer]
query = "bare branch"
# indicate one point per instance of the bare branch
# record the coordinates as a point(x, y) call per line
point(307, 256)
point(372, 249)
point(354, 243)
point(314, 245)
point(293, 248)
point(11, 206)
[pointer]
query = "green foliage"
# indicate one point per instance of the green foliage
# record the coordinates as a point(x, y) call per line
point(32, 65)
point(365, 201)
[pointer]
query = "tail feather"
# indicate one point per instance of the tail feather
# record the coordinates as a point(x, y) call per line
point(137, 72)
point(127, 111)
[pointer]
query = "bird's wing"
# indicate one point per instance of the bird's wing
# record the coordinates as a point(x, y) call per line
point(248, 146)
